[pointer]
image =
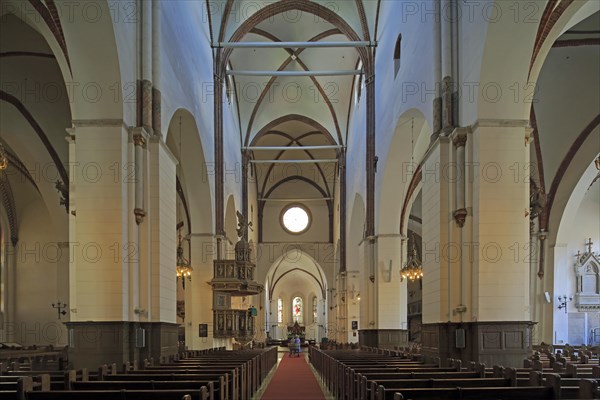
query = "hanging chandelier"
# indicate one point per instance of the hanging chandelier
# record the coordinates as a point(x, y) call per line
point(184, 268)
point(412, 269)
point(3, 158)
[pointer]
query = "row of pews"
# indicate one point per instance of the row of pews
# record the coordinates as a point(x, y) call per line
point(34, 357)
point(375, 374)
point(214, 374)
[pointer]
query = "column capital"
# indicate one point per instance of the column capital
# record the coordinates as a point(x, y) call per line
point(99, 123)
point(140, 136)
point(459, 136)
point(219, 79)
point(70, 138)
point(528, 135)
point(499, 123)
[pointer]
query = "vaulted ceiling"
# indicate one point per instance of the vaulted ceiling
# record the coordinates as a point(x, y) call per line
point(294, 111)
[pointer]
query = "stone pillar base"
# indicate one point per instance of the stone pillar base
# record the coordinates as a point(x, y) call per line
point(504, 343)
point(92, 344)
point(383, 338)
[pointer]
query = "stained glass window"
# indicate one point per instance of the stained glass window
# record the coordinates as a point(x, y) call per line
point(315, 315)
point(297, 309)
point(279, 311)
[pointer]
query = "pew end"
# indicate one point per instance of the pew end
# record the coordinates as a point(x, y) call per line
point(24, 385)
point(553, 381)
point(588, 389)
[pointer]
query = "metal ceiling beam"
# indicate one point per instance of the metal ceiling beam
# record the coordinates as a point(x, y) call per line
point(317, 161)
point(294, 45)
point(295, 200)
point(339, 72)
point(292, 148)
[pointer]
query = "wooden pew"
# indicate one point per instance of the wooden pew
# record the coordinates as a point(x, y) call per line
point(589, 389)
point(215, 391)
point(503, 393)
point(251, 367)
point(444, 383)
point(201, 394)
point(351, 378)
point(224, 388)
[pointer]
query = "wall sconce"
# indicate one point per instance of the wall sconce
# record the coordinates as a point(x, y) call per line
point(563, 301)
point(141, 312)
point(60, 308)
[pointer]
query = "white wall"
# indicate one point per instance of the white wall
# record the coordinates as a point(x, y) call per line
point(41, 279)
point(583, 226)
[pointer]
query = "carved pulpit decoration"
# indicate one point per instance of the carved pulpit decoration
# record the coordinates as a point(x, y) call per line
point(242, 248)
point(587, 273)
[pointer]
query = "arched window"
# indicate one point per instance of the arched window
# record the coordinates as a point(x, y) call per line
point(279, 311)
point(315, 313)
point(397, 53)
point(297, 310)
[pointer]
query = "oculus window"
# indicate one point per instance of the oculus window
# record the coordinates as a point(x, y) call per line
point(295, 219)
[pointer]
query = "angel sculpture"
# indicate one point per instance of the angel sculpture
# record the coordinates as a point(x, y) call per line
point(242, 229)
point(242, 248)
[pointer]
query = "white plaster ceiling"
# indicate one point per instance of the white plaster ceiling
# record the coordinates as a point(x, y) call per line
point(568, 95)
point(34, 95)
point(326, 101)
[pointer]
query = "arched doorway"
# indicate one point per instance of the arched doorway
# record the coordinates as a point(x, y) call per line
point(194, 216)
point(297, 293)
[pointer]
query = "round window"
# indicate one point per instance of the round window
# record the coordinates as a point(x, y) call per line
point(295, 219)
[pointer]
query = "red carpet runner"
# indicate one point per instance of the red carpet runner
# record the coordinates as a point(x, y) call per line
point(293, 379)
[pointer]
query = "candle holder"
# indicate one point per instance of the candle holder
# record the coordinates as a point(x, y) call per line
point(60, 308)
point(564, 301)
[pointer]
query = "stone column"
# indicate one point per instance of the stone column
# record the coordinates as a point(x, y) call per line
point(161, 327)
point(389, 295)
point(477, 277)
point(435, 231)
point(437, 72)
point(106, 284)
point(163, 233)
point(9, 292)
point(99, 244)
point(145, 104)
point(343, 210)
point(371, 159)
point(500, 193)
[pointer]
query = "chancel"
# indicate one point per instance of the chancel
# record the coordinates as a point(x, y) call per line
point(410, 187)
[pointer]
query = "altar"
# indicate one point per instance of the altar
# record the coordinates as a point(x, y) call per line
point(298, 330)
